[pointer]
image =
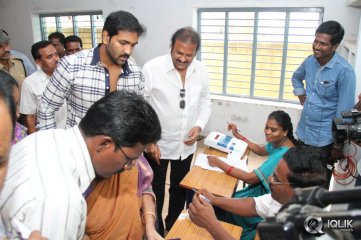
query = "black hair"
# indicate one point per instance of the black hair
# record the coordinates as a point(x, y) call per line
point(57, 35)
point(37, 46)
point(334, 29)
point(185, 35)
point(122, 21)
point(125, 117)
point(306, 166)
point(7, 85)
point(73, 38)
point(284, 120)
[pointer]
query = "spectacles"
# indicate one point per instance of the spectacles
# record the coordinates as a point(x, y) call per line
point(275, 181)
point(182, 94)
point(130, 161)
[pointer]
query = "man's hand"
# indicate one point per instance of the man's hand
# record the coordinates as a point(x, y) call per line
point(36, 235)
point(201, 212)
point(154, 152)
point(193, 135)
point(302, 99)
point(207, 194)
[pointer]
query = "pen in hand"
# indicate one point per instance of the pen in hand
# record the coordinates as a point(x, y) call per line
point(201, 196)
point(238, 130)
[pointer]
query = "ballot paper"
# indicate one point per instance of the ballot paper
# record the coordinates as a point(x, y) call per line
point(233, 159)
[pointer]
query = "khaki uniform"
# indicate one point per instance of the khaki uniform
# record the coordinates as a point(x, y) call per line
point(16, 69)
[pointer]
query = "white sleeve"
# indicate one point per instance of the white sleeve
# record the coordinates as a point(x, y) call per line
point(266, 206)
point(27, 99)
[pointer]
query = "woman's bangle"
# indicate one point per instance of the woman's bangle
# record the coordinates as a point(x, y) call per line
point(243, 138)
point(150, 212)
point(229, 170)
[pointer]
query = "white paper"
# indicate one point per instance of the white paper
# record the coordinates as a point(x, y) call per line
point(202, 161)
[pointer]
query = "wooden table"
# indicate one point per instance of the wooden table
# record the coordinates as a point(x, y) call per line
point(218, 183)
point(184, 229)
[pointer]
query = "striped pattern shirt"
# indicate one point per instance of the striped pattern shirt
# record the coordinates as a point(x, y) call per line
point(48, 172)
point(81, 80)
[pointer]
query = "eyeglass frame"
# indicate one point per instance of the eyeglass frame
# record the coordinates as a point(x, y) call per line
point(182, 94)
point(274, 181)
point(130, 162)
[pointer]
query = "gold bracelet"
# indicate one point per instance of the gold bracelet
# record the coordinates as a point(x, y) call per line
point(150, 212)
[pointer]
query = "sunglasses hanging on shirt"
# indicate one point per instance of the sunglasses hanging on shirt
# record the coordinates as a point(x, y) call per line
point(182, 94)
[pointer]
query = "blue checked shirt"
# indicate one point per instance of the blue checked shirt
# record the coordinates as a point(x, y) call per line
point(330, 90)
point(81, 80)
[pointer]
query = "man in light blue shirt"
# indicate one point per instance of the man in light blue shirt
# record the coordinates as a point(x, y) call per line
point(330, 88)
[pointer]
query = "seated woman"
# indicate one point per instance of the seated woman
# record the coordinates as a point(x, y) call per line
point(279, 136)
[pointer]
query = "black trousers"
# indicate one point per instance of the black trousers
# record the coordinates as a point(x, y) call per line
point(326, 154)
point(177, 194)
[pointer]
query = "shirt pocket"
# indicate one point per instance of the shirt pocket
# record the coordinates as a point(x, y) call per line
point(327, 88)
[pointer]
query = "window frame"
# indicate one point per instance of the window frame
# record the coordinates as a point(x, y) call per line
point(257, 10)
point(91, 14)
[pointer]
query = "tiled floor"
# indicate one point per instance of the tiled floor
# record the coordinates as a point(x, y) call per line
point(253, 162)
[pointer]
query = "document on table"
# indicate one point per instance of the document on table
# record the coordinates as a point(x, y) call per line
point(233, 159)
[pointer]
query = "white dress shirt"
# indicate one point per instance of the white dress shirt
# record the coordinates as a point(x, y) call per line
point(31, 93)
point(162, 90)
point(266, 206)
point(48, 172)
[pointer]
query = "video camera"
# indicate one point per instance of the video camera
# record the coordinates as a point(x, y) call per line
point(347, 131)
point(305, 211)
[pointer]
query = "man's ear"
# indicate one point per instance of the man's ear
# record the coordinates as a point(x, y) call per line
point(334, 47)
point(105, 37)
point(103, 143)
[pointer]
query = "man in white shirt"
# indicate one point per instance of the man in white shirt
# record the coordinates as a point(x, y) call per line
point(297, 169)
point(49, 171)
point(176, 85)
point(8, 119)
point(47, 58)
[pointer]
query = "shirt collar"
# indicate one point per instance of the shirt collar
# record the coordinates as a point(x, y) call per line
point(96, 59)
point(332, 62)
point(87, 172)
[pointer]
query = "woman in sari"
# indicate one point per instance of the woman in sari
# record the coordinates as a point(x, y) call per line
point(279, 136)
point(123, 206)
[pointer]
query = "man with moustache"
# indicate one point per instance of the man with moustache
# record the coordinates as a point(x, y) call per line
point(73, 44)
point(297, 169)
point(47, 58)
point(8, 63)
point(176, 85)
point(330, 89)
point(83, 78)
point(80, 80)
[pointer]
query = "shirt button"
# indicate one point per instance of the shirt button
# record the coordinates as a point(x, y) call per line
point(313, 93)
point(107, 87)
point(309, 105)
point(107, 75)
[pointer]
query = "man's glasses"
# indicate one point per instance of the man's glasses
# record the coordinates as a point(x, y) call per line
point(182, 94)
point(275, 181)
point(130, 161)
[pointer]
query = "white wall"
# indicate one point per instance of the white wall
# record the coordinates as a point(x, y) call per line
point(249, 115)
point(162, 18)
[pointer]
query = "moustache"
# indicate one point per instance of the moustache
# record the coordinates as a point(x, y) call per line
point(125, 56)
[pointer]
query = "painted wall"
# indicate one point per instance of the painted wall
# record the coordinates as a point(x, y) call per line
point(162, 18)
point(249, 115)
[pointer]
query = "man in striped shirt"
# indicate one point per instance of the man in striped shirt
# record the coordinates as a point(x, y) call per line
point(49, 171)
point(84, 77)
